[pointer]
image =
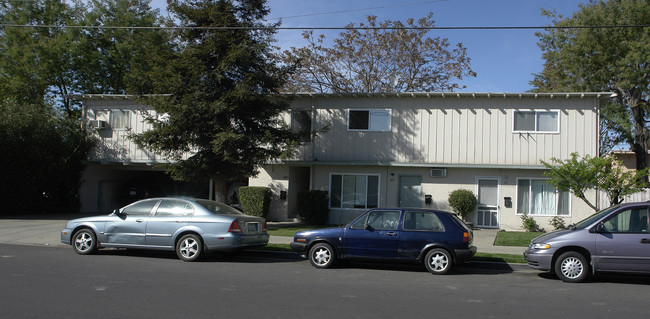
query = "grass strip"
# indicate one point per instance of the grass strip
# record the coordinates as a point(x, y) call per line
point(289, 231)
point(514, 238)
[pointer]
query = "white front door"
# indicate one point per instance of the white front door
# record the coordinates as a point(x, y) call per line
point(487, 214)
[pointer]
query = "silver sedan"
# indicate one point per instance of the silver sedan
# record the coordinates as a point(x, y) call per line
point(188, 226)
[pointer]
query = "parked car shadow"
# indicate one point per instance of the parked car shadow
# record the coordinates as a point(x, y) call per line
point(618, 278)
point(471, 268)
point(243, 256)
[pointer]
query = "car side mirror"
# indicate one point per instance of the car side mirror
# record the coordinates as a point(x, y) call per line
point(600, 228)
point(368, 227)
point(117, 212)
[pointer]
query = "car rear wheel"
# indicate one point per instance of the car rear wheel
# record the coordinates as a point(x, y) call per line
point(438, 261)
point(322, 255)
point(189, 247)
point(84, 242)
point(572, 267)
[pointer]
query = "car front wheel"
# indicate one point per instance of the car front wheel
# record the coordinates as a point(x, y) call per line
point(572, 267)
point(322, 255)
point(84, 242)
point(438, 261)
point(189, 247)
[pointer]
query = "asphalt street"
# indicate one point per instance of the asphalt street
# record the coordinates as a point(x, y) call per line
point(54, 282)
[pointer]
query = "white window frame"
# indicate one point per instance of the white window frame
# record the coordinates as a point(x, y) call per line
point(537, 115)
point(366, 190)
point(374, 124)
point(530, 179)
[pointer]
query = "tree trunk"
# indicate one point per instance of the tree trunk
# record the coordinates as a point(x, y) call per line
point(640, 143)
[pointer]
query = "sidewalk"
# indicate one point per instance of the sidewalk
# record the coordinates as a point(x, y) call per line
point(46, 232)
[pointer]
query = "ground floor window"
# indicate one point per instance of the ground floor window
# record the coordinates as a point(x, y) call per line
point(354, 191)
point(538, 197)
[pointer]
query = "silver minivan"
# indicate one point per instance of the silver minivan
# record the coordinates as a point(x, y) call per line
point(616, 239)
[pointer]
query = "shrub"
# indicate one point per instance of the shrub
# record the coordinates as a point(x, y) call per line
point(463, 201)
point(255, 200)
point(312, 206)
point(529, 223)
point(557, 222)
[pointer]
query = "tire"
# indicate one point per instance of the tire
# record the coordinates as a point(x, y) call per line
point(438, 261)
point(84, 242)
point(572, 266)
point(189, 247)
point(322, 255)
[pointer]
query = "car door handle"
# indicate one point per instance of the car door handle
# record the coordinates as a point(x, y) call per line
point(139, 220)
point(392, 233)
point(645, 241)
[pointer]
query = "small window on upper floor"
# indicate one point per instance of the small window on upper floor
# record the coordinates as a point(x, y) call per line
point(369, 120)
point(536, 121)
point(120, 119)
point(301, 123)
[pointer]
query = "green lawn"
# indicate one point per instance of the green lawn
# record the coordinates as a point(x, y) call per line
point(289, 231)
point(511, 238)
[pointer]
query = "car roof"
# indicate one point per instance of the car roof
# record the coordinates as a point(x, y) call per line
point(417, 209)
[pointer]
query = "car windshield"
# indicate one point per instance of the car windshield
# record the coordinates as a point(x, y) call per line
point(591, 219)
point(218, 208)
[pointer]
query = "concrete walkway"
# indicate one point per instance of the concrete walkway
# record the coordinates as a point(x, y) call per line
point(46, 232)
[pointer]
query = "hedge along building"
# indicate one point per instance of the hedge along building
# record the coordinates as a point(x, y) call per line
point(413, 149)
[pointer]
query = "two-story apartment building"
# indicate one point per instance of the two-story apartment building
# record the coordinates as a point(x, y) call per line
point(413, 149)
point(119, 172)
point(382, 150)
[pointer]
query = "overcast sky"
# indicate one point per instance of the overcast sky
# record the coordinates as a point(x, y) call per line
point(503, 59)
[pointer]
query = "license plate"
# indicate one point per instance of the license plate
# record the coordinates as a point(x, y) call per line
point(252, 227)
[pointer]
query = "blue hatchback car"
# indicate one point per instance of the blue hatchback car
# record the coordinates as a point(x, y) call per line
point(438, 239)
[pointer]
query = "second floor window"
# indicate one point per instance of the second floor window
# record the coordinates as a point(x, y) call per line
point(301, 123)
point(536, 121)
point(120, 119)
point(369, 120)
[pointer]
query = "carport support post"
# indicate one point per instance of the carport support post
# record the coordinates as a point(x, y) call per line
point(211, 189)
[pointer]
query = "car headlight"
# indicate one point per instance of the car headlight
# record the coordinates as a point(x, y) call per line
point(540, 246)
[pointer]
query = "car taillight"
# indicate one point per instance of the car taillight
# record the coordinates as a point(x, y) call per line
point(265, 228)
point(234, 227)
point(466, 237)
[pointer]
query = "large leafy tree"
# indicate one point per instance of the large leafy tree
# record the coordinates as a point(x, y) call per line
point(43, 156)
point(223, 105)
point(57, 57)
point(609, 52)
point(44, 57)
point(119, 59)
point(387, 56)
point(37, 62)
point(578, 175)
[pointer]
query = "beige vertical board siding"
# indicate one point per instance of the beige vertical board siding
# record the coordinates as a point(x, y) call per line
point(451, 130)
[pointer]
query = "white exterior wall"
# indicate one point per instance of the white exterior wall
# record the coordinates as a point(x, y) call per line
point(275, 177)
point(471, 135)
point(114, 143)
point(451, 130)
point(440, 188)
